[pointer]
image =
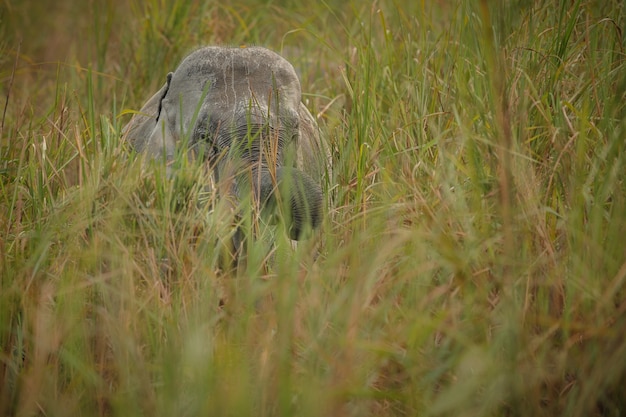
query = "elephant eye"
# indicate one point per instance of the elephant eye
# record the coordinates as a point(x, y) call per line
point(203, 137)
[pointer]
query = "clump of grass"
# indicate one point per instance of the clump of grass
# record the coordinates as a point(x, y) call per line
point(470, 262)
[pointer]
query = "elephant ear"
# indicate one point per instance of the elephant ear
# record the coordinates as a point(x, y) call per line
point(313, 154)
point(163, 92)
point(140, 127)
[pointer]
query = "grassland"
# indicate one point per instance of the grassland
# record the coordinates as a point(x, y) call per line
point(471, 262)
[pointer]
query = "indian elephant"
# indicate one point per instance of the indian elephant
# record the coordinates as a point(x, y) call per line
point(240, 109)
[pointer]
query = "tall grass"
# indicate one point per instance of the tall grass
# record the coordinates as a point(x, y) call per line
point(470, 263)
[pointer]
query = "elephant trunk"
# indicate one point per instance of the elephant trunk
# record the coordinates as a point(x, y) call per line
point(294, 193)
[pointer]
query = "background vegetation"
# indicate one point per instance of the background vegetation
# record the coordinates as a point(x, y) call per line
point(471, 262)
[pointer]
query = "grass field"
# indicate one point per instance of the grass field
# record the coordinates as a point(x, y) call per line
point(471, 262)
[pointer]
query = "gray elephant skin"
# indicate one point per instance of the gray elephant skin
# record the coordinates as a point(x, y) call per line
point(240, 110)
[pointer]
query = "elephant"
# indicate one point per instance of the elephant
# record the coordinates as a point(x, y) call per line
point(240, 110)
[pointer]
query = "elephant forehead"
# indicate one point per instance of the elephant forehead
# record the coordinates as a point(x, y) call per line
point(235, 76)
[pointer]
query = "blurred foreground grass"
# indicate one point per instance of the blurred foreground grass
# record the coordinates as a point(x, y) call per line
point(471, 262)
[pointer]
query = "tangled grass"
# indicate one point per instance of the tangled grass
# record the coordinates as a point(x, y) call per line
point(470, 263)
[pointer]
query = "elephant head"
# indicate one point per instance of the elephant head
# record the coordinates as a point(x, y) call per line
point(240, 110)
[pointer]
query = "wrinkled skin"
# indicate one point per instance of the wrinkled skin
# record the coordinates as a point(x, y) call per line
point(240, 110)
